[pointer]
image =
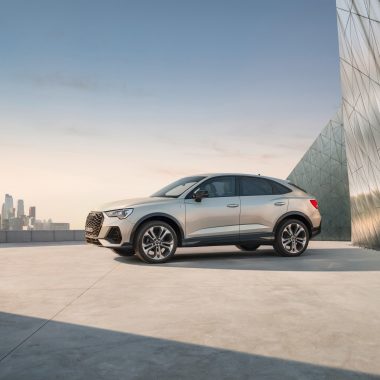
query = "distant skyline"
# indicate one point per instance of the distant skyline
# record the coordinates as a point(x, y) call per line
point(14, 217)
point(107, 100)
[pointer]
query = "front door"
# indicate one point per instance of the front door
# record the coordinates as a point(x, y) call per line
point(215, 218)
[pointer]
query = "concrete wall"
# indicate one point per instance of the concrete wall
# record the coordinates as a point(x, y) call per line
point(40, 236)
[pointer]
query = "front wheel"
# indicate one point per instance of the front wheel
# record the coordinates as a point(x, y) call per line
point(156, 242)
point(292, 238)
point(248, 247)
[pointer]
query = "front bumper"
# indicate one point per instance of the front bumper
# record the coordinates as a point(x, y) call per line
point(113, 233)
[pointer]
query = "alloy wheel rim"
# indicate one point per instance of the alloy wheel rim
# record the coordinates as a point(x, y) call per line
point(158, 242)
point(293, 238)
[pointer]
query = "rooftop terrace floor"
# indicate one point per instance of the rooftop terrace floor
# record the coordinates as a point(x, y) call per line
point(75, 311)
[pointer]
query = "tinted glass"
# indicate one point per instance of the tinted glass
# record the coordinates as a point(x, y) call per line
point(278, 188)
point(255, 186)
point(177, 188)
point(261, 186)
point(297, 187)
point(219, 187)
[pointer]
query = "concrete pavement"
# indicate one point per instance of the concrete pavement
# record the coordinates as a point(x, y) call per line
point(77, 311)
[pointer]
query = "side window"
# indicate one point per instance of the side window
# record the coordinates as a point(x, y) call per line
point(255, 186)
point(219, 187)
point(279, 189)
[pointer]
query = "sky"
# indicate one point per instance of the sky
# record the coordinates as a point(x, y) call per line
point(106, 100)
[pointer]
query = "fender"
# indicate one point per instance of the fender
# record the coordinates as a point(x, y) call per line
point(294, 213)
point(157, 215)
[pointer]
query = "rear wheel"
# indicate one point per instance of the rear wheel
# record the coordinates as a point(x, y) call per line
point(292, 238)
point(124, 251)
point(156, 242)
point(248, 247)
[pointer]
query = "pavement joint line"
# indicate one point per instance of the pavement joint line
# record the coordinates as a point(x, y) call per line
point(58, 312)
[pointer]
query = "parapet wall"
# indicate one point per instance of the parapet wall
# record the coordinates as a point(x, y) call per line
point(40, 236)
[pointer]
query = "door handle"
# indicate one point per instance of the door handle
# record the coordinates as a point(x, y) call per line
point(279, 203)
point(232, 205)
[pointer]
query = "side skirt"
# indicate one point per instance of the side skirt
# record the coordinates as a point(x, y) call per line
point(264, 238)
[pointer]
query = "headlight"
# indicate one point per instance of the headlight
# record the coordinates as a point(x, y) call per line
point(121, 213)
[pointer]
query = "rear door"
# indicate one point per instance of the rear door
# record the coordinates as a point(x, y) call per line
point(262, 201)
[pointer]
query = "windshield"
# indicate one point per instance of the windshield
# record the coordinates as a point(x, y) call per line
point(175, 189)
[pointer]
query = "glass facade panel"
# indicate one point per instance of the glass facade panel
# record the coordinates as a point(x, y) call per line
point(323, 172)
point(359, 42)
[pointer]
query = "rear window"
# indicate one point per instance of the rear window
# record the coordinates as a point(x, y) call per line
point(251, 186)
point(297, 187)
point(279, 189)
point(254, 186)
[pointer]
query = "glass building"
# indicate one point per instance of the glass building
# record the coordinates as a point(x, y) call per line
point(322, 171)
point(359, 42)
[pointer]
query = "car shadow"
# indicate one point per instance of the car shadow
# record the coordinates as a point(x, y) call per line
point(313, 260)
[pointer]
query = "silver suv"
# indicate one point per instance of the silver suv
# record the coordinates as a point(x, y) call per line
point(210, 209)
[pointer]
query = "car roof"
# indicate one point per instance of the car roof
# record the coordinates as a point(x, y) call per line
point(241, 174)
point(285, 182)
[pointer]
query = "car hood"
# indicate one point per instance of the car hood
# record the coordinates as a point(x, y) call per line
point(125, 203)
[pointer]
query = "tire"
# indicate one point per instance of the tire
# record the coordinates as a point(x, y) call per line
point(156, 242)
point(124, 251)
point(292, 238)
point(248, 247)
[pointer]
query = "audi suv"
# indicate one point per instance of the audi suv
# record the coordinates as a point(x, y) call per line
point(211, 209)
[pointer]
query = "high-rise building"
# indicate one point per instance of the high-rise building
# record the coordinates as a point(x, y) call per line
point(359, 50)
point(20, 208)
point(8, 206)
point(32, 212)
point(32, 216)
point(3, 216)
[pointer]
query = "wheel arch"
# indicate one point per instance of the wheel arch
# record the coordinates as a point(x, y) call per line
point(173, 222)
point(295, 215)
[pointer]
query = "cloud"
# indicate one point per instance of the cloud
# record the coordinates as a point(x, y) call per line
point(236, 146)
point(84, 83)
point(58, 79)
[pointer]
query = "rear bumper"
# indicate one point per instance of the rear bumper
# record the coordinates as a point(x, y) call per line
point(316, 231)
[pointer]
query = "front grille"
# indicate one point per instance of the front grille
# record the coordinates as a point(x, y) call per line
point(94, 223)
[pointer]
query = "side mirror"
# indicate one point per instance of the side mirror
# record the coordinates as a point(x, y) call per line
point(199, 195)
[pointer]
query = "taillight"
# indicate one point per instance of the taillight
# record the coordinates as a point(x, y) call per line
point(314, 202)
